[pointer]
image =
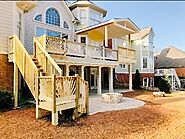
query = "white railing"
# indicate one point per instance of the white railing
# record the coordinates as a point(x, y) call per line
point(95, 51)
point(75, 48)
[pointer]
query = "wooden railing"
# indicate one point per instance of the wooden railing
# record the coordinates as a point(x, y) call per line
point(125, 53)
point(70, 48)
point(45, 60)
point(65, 89)
point(25, 64)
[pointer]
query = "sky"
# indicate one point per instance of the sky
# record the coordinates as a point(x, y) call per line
point(166, 18)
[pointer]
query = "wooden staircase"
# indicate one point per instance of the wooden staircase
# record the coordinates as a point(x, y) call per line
point(51, 90)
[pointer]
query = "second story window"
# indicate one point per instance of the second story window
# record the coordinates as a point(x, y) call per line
point(38, 18)
point(145, 62)
point(52, 17)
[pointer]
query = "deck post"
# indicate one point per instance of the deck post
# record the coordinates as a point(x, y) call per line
point(16, 85)
point(111, 90)
point(130, 77)
point(54, 110)
point(75, 114)
point(82, 72)
point(106, 41)
point(99, 81)
point(38, 110)
point(67, 70)
point(86, 47)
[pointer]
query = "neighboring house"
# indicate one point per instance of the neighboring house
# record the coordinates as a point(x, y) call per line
point(170, 59)
point(142, 42)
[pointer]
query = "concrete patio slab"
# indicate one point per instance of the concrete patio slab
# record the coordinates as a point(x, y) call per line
point(96, 105)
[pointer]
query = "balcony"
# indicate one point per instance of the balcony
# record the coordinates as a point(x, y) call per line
point(126, 55)
point(61, 48)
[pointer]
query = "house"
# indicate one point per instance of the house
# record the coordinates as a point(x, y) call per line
point(142, 42)
point(61, 51)
point(171, 61)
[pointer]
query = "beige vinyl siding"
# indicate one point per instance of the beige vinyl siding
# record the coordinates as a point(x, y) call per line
point(6, 25)
point(30, 24)
point(9, 17)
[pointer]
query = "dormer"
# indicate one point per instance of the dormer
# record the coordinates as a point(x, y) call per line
point(87, 13)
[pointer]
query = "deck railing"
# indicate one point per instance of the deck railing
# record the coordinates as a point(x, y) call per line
point(70, 48)
point(25, 64)
point(65, 89)
point(45, 60)
point(125, 53)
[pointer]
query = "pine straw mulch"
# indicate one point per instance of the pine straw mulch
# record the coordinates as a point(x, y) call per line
point(162, 117)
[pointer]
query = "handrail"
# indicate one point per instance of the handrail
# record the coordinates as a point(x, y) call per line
point(26, 66)
point(38, 44)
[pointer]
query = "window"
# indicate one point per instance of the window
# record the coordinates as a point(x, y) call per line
point(145, 62)
point(83, 16)
point(39, 31)
point(38, 18)
point(83, 39)
point(52, 17)
point(95, 18)
point(66, 25)
point(53, 33)
point(123, 66)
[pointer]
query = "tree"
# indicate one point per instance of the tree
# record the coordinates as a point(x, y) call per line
point(137, 81)
point(164, 84)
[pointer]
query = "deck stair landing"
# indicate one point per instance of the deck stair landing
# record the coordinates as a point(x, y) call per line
point(51, 90)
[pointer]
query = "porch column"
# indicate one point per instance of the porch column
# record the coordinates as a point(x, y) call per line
point(130, 76)
point(82, 72)
point(111, 90)
point(16, 85)
point(86, 47)
point(99, 81)
point(106, 41)
point(67, 70)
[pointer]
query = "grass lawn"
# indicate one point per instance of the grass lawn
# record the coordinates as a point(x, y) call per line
point(160, 117)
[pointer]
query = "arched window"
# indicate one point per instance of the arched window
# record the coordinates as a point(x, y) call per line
point(52, 17)
point(66, 25)
point(38, 18)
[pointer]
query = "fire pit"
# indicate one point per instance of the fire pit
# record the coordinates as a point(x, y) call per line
point(112, 98)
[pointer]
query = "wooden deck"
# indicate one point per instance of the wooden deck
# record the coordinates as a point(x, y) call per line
point(51, 91)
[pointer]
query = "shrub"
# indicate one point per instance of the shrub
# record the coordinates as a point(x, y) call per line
point(164, 85)
point(6, 100)
point(137, 81)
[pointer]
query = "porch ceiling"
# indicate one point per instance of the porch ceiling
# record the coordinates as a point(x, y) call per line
point(116, 28)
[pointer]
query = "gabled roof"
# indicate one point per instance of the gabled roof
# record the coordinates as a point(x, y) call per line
point(141, 34)
point(170, 57)
point(131, 27)
point(86, 3)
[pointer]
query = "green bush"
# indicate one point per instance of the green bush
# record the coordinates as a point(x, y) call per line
point(137, 81)
point(6, 100)
point(164, 85)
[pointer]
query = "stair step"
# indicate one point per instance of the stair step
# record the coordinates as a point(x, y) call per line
point(44, 74)
point(38, 66)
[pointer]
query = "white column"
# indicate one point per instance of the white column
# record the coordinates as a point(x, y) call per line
point(130, 76)
point(106, 36)
point(86, 47)
point(16, 85)
point(99, 81)
point(82, 72)
point(111, 90)
point(67, 70)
